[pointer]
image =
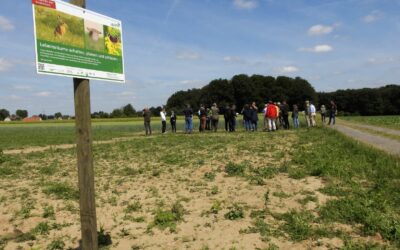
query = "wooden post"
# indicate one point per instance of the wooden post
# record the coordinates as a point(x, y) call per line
point(87, 202)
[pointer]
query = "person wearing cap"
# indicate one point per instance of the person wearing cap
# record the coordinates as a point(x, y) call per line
point(214, 117)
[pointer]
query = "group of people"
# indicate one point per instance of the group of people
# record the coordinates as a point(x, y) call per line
point(276, 115)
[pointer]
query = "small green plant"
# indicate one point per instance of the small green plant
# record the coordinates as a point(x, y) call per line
point(57, 244)
point(216, 207)
point(103, 237)
point(42, 228)
point(235, 212)
point(233, 169)
point(214, 190)
point(209, 176)
point(61, 191)
point(48, 212)
point(133, 207)
point(168, 219)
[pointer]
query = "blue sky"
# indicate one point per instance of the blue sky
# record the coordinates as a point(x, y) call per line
point(172, 45)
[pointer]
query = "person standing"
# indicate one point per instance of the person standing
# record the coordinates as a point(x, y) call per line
point(323, 114)
point(226, 118)
point(307, 113)
point(313, 114)
point(232, 119)
point(247, 117)
point(332, 115)
point(208, 121)
point(272, 116)
point(214, 117)
point(172, 120)
point(254, 116)
point(285, 114)
point(203, 118)
point(295, 116)
point(163, 116)
point(188, 112)
point(265, 117)
point(147, 120)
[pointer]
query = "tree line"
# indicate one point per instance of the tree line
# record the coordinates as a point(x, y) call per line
point(243, 89)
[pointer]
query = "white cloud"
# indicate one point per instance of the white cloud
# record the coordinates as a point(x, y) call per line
point(318, 49)
point(43, 94)
point(373, 16)
point(245, 4)
point(6, 24)
point(4, 65)
point(233, 59)
point(188, 55)
point(287, 69)
point(319, 29)
point(382, 60)
point(14, 98)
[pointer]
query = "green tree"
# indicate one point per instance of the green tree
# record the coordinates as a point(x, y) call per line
point(22, 113)
point(57, 115)
point(117, 113)
point(128, 110)
point(4, 113)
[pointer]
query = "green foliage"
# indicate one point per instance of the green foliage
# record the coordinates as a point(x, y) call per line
point(392, 122)
point(209, 176)
point(57, 244)
point(233, 169)
point(103, 238)
point(242, 89)
point(133, 207)
point(297, 225)
point(235, 212)
point(22, 113)
point(169, 218)
point(61, 190)
point(216, 207)
point(41, 228)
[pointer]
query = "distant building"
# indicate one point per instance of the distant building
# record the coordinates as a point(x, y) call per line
point(34, 118)
point(8, 119)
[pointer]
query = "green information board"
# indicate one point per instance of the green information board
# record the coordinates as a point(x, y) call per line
point(76, 42)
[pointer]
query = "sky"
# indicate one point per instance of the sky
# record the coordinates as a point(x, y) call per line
point(172, 45)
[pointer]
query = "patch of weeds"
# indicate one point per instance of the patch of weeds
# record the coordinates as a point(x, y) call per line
point(272, 246)
point(49, 170)
point(156, 172)
point(256, 180)
point(259, 226)
point(307, 199)
point(361, 245)
point(233, 169)
point(266, 198)
point(42, 228)
point(24, 237)
point(127, 171)
point(153, 191)
point(235, 212)
point(209, 176)
point(57, 244)
point(214, 190)
point(333, 190)
point(113, 200)
point(216, 207)
point(133, 207)
point(134, 219)
point(169, 218)
point(281, 194)
point(259, 214)
point(103, 237)
point(297, 224)
point(61, 191)
point(48, 212)
point(26, 209)
point(297, 173)
point(264, 172)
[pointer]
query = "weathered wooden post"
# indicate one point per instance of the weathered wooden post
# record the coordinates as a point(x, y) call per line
point(83, 126)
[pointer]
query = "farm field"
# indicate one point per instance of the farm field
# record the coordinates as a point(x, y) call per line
point(392, 122)
point(284, 190)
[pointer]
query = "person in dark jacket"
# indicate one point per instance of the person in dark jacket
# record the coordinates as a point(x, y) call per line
point(254, 116)
point(147, 120)
point(203, 118)
point(172, 120)
point(188, 112)
point(232, 119)
point(285, 114)
point(295, 116)
point(332, 115)
point(247, 117)
point(226, 118)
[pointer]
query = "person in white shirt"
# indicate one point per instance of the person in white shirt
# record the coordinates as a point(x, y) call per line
point(163, 116)
point(313, 114)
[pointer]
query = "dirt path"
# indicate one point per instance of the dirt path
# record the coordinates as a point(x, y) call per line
point(371, 127)
point(382, 143)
